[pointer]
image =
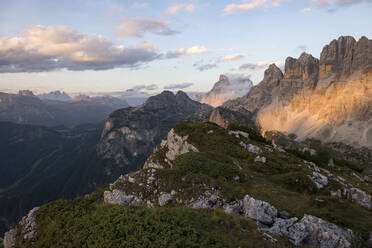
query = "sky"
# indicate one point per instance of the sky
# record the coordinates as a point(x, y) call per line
point(115, 45)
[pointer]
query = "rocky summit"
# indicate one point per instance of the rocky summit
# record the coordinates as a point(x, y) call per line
point(329, 99)
point(204, 186)
point(227, 88)
point(131, 134)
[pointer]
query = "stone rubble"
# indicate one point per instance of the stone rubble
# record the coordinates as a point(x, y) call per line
point(260, 159)
point(319, 180)
point(250, 148)
point(354, 195)
point(239, 133)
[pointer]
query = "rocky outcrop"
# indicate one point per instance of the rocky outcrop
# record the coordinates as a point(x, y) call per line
point(26, 227)
point(356, 195)
point(131, 134)
point(10, 238)
point(225, 89)
point(259, 210)
point(120, 198)
point(319, 180)
point(175, 146)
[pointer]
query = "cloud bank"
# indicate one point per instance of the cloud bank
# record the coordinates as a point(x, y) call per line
point(250, 5)
point(188, 51)
point(137, 27)
point(174, 9)
point(50, 48)
point(178, 86)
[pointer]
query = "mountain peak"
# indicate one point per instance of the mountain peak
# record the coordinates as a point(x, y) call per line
point(273, 72)
point(223, 78)
point(345, 56)
point(226, 88)
point(305, 67)
point(25, 93)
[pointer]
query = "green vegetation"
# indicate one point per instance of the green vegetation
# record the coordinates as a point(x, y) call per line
point(282, 180)
point(221, 163)
point(87, 222)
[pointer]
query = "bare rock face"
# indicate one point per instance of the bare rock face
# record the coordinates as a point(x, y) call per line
point(131, 134)
point(28, 230)
point(225, 117)
point(323, 234)
point(306, 67)
point(10, 238)
point(328, 100)
point(259, 95)
point(337, 57)
point(259, 210)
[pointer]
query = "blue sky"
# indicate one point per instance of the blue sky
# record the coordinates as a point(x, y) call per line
point(113, 45)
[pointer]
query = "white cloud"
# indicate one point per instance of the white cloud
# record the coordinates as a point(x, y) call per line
point(336, 3)
point(205, 67)
point(231, 57)
point(147, 45)
point(136, 27)
point(188, 51)
point(305, 10)
point(143, 87)
point(250, 5)
point(49, 48)
point(178, 86)
point(140, 5)
point(255, 66)
point(172, 10)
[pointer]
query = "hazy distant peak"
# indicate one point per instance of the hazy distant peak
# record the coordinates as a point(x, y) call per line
point(227, 88)
point(25, 93)
point(55, 95)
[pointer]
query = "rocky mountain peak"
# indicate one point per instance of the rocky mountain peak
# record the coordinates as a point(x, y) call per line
point(25, 93)
point(223, 78)
point(337, 57)
point(273, 73)
point(305, 67)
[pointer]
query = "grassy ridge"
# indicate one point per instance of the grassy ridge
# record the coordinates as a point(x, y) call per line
point(87, 222)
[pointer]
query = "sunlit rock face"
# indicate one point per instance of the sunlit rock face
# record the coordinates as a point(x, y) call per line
point(225, 89)
point(328, 99)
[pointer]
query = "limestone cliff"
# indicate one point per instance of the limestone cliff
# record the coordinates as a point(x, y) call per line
point(328, 99)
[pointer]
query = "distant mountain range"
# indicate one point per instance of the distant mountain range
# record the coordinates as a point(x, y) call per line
point(56, 96)
point(227, 88)
point(26, 108)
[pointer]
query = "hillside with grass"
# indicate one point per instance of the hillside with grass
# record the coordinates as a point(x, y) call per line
point(206, 186)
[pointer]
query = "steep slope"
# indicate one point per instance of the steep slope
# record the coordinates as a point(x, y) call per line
point(328, 99)
point(25, 108)
point(40, 164)
point(225, 89)
point(131, 134)
point(206, 186)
